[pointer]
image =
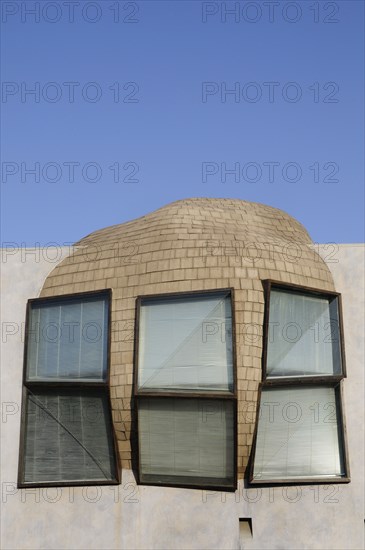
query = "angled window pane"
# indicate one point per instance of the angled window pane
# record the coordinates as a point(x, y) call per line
point(186, 343)
point(67, 340)
point(299, 434)
point(68, 437)
point(303, 337)
point(186, 441)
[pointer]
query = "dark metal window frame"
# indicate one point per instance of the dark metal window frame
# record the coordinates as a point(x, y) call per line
point(103, 387)
point(190, 394)
point(333, 381)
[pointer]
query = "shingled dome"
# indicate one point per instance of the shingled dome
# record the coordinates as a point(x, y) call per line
point(191, 245)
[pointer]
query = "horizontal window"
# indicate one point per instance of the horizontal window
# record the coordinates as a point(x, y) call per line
point(67, 340)
point(186, 344)
point(186, 441)
point(67, 436)
point(299, 434)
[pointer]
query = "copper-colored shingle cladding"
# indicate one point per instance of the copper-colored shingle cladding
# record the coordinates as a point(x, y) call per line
point(192, 244)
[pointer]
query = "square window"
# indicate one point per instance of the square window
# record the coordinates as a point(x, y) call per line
point(299, 434)
point(303, 335)
point(67, 340)
point(67, 437)
point(186, 441)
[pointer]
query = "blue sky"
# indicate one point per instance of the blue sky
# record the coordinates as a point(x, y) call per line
point(131, 110)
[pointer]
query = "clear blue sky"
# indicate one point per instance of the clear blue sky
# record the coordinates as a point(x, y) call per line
point(146, 94)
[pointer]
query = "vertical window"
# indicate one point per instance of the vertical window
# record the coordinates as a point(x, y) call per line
point(185, 390)
point(67, 435)
point(300, 427)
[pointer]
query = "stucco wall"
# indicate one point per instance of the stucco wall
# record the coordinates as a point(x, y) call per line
point(128, 516)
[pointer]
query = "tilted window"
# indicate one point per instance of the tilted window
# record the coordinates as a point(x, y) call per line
point(185, 390)
point(67, 435)
point(300, 426)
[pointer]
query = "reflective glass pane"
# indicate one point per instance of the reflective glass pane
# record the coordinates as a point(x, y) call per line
point(67, 340)
point(299, 434)
point(186, 343)
point(303, 335)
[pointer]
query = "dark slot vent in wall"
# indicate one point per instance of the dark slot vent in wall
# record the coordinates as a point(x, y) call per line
point(245, 528)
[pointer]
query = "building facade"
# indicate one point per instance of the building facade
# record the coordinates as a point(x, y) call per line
point(189, 379)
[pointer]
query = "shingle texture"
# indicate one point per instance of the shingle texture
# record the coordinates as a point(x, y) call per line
point(192, 244)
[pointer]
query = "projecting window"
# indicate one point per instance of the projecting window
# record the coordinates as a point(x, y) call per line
point(67, 436)
point(185, 390)
point(300, 428)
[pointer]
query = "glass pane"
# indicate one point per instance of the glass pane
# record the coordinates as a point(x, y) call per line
point(186, 441)
point(68, 437)
point(68, 340)
point(299, 434)
point(186, 343)
point(303, 335)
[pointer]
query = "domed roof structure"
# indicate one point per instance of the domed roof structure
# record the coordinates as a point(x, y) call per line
point(192, 244)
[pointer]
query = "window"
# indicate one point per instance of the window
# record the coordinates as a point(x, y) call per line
point(300, 428)
point(67, 436)
point(185, 390)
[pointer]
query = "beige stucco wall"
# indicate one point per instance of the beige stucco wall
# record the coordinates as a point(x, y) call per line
point(192, 244)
